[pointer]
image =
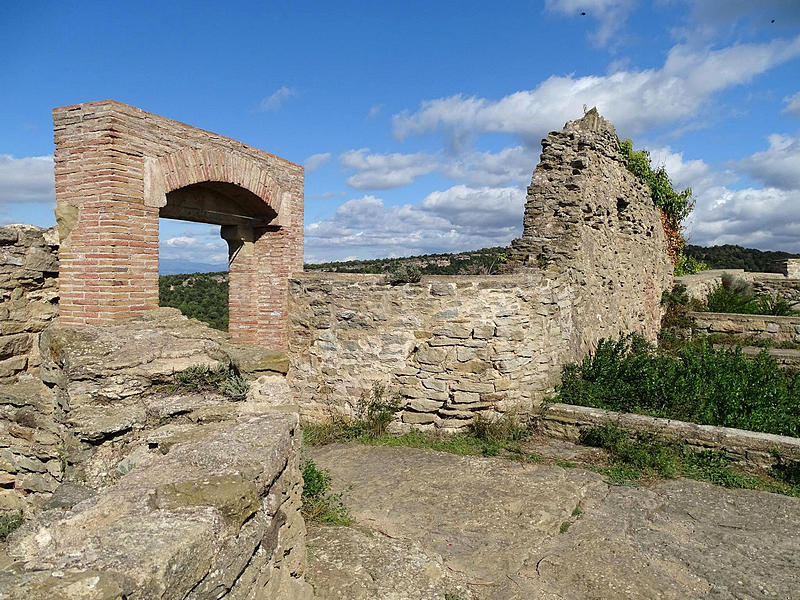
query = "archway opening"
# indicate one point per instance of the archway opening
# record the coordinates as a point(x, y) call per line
point(195, 252)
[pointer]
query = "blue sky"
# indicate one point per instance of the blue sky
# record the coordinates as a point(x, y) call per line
point(420, 122)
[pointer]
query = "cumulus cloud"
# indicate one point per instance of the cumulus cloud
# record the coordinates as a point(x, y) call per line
point(634, 100)
point(28, 179)
point(384, 171)
point(315, 161)
point(275, 100)
point(610, 14)
point(765, 218)
point(778, 166)
point(455, 219)
point(792, 105)
point(198, 243)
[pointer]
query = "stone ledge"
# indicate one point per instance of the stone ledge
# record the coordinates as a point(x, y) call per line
point(565, 421)
point(217, 516)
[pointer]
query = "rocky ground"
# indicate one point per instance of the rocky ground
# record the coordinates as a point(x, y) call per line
point(430, 525)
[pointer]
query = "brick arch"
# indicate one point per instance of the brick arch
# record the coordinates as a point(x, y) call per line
point(182, 168)
point(115, 165)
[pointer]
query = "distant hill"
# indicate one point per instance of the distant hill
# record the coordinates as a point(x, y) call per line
point(736, 257)
point(204, 296)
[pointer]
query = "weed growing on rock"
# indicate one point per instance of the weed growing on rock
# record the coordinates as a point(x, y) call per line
point(319, 505)
point(372, 413)
point(200, 378)
point(9, 522)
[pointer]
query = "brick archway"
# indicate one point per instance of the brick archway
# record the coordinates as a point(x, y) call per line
point(118, 169)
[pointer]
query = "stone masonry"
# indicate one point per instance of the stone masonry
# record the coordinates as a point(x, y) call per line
point(118, 169)
point(29, 288)
point(592, 263)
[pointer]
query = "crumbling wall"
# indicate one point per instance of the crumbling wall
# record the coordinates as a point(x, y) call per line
point(29, 289)
point(590, 222)
point(592, 263)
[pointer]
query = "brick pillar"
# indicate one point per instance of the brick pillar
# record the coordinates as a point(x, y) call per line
point(109, 265)
point(259, 266)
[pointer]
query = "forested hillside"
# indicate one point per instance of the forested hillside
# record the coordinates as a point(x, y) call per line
point(204, 296)
point(736, 257)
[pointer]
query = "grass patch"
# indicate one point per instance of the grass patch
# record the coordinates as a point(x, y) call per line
point(319, 505)
point(633, 457)
point(695, 383)
point(200, 378)
point(503, 436)
point(9, 522)
point(564, 527)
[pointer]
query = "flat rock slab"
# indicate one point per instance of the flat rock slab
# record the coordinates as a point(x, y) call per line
point(488, 528)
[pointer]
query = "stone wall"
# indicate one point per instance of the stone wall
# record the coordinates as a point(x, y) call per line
point(592, 263)
point(774, 284)
point(28, 284)
point(591, 223)
point(777, 329)
point(449, 346)
point(752, 448)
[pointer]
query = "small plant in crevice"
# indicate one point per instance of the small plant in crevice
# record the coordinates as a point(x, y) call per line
point(9, 522)
point(374, 410)
point(319, 505)
point(499, 433)
point(201, 378)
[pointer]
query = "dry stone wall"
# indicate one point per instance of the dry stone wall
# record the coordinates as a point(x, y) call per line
point(592, 263)
point(777, 329)
point(29, 288)
point(448, 346)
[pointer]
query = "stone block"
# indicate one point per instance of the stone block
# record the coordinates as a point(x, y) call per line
point(454, 330)
point(424, 404)
point(430, 356)
point(465, 397)
point(417, 418)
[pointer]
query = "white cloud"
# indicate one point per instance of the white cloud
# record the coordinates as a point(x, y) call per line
point(181, 242)
point(459, 218)
point(198, 243)
point(315, 161)
point(374, 111)
point(610, 14)
point(384, 171)
point(755, 218)
point(28, 179)
point(792, 105)
point(778, 166)
point(633, 100)
point(275, 100)
point(325, 195)
point(510, 165)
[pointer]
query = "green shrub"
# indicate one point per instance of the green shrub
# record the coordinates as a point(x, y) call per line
point(735, 295)
point(319, 505)
point(688, 265)
point(676, 205)
point(697, 384)
point(9, 522)
point(403, 273)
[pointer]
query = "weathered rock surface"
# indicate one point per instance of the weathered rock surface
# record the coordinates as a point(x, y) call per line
point(496, 527)
point(215, 516)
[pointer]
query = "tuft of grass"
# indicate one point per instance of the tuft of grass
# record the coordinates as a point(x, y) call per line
point(9, 522)
point(735, 295)
point(319, 505)
point(633, 457)
point(564, 527)
point(497, 437)
point(200, 378)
